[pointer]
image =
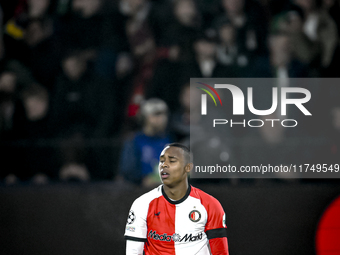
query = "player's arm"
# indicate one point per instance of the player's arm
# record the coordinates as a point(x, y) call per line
point(216, 229)
point(218, 244)
point(136, 228)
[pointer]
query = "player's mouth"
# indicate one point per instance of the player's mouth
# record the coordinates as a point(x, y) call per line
point(164, 175)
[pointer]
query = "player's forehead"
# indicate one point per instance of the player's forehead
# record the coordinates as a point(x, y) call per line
point(172, 151)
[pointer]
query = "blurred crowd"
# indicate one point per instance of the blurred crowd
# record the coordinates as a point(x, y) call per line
point(93, 89)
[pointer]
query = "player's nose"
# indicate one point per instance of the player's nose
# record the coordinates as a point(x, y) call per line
point(163, 165)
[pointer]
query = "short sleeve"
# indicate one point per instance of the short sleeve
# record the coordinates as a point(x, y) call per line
point(136, 227)
point(216, 222)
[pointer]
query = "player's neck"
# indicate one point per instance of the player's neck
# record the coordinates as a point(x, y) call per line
point(178, 192)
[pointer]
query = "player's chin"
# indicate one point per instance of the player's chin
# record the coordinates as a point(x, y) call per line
point(166, 181)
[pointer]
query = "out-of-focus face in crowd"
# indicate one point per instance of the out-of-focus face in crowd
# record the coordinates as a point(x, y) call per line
point(185, 12)
point(86, 8)
point(227, 34)
point(133, 6)
point(36, 103)
point(37, 8)
point(205, 49)
point(294, 23)
point(158, 121)
point(306, 5)
point(74, 67)
point(155, 114)
point(36, 108)
point(280, 49)
point(233, 6)
point(328, 3)
point(37, 31)
point(7, 82)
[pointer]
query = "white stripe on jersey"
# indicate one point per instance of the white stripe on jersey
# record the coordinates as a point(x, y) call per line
point(186, 227)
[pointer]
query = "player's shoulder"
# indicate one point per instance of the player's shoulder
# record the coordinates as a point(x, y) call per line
point(201, 194)
point(206, 199)
point(146, 198)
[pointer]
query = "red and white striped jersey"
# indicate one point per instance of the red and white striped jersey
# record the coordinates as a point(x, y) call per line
point(194, 224)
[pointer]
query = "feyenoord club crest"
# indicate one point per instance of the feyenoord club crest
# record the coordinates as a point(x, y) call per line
point(131, 217)
point(194, 215)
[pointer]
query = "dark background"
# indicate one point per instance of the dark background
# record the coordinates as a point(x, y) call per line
point(90, 218)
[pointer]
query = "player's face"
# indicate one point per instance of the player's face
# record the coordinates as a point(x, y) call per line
point(173, 168)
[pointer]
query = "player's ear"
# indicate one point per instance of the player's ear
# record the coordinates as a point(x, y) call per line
point(189, 167)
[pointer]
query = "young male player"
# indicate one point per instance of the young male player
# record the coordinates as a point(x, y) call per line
point(176, 218)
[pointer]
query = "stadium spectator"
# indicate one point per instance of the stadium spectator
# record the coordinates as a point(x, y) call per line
point(14, 78)
point(83, 27)
point(188, 24)
point(319, 26)
point(205, 64)
point(143, 47)
point(303, 49)
point(171, 74)
point(228, 52)
point(281, 62)
point(81, 99)
point(168, 75)
point(8, 88)
point(16, 27)
point(249, 18)
point(33, 126)
point(180, 119)
point(281, 65)
point(7, 101)
point(42, 55)
point(332, 7)
point(139, 158)
point(83, 107)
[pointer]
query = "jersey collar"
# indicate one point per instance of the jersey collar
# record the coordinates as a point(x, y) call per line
point(176, 201)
